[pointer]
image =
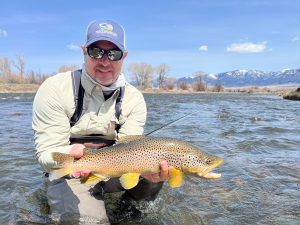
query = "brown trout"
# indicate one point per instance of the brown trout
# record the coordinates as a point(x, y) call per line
point(134, 156)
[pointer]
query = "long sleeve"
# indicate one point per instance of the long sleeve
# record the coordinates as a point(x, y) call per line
point(50, 123)
point(54, 106)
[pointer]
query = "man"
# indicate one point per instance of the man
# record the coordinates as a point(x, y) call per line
point(56, 130)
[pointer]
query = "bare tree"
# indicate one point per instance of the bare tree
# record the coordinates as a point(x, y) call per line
point(183, 85)
point(199, 75)
point(31, 77)
point(218, 88)
point(5, 66)
point(20, 65)
point(65, 68)
point(162, 71)
point(142, 74)
point(41, 77)
point(199, 84)
point(170, 83)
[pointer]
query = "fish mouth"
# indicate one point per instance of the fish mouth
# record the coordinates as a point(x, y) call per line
point(206, 173)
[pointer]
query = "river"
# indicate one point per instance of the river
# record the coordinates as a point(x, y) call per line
point(257, 135)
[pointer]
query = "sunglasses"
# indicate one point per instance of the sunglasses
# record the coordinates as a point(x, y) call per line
point(98, 53)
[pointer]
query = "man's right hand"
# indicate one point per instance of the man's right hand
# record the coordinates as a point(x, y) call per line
point(77, 152)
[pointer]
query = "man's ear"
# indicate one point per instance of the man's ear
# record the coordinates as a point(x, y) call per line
point(83, 50)
point(125, 53)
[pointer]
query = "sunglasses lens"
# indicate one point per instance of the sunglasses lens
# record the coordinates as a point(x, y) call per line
point(114, 55)
point(95, 53)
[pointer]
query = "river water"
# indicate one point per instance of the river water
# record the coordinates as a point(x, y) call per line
point(257, 135)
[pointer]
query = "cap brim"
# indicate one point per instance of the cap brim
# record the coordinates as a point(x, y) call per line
point(120, 46)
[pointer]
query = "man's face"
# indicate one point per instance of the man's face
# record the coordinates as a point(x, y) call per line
point(103, 70)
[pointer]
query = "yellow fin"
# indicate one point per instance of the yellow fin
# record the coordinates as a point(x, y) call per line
point(176, 178)
point(129, 180)
point(93, 178)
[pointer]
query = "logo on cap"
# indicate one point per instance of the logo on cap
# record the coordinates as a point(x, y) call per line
point(106, 26)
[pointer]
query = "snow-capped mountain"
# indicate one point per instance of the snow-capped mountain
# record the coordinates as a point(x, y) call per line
point(250, 77)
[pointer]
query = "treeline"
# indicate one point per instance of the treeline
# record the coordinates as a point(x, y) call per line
point(143, 76)
point(13, 72)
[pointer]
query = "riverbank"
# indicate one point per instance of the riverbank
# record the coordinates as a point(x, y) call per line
point(293, 95)
point(279, 90)
point(19, 88)
point(275, 90)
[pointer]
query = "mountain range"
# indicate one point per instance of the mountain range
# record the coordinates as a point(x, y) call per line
point(238, 78)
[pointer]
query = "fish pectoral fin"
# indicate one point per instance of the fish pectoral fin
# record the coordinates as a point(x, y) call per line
point(176, 178)
point(93, 178)
point(129, 180)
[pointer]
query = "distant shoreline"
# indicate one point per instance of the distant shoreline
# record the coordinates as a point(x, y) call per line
point(19, 88)
point(279, 90)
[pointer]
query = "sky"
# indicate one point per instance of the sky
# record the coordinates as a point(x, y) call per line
point(212, 36)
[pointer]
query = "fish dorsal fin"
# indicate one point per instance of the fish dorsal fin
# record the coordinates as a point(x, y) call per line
point(129, 180)
point(176, 178)
point(94, 178)
point(129, 138)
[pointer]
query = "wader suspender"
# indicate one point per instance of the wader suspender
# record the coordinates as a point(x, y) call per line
point(78, 92)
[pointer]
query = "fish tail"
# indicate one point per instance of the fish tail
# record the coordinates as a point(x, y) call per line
point(64, 165)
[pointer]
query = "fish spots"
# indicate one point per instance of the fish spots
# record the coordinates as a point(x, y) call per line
point(143, 155)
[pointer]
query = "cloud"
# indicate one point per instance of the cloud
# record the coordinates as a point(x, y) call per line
point(203, 48)
point(3, 33)
point(247, 47)
point(73, 47)
point(295, 39)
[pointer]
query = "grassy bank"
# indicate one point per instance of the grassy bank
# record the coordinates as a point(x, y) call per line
point(18, 88)
point(276, 90)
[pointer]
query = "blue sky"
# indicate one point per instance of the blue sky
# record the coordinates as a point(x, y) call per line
point(188, 35)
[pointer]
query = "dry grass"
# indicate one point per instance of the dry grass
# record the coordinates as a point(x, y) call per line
point(275, 90)
point(18, 88)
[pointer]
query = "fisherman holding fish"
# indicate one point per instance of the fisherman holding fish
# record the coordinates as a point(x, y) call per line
point(96, 107)
point(90, 107)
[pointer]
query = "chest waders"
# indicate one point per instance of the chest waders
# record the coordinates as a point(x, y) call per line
point(92, 140)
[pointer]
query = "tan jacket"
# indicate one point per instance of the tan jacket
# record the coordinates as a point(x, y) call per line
point(54, 106)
